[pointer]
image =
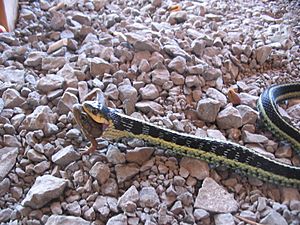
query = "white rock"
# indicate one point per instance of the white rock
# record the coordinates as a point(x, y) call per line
point(149, 92)
point(12, 98)
point(274, 218)
point(66, 220)
point(262, 53)
point(224, 219)
point(66, 103)
point(50, 83)
point(208, 109)
point(119, 219)
point(100, 171)
point(131, 194)
point(126, 171)
point(8, 156)
point(44, 189)
point(65, 156)
point(229, 118)
point(12, 75)
point(214, 198)
point(217, 95)
point(148, 197)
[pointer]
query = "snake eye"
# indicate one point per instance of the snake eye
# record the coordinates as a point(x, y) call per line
point(95, 111)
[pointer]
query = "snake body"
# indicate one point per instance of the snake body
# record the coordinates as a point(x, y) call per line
point(239, 158)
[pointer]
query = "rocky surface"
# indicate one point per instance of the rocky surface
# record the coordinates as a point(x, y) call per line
point(167, 62)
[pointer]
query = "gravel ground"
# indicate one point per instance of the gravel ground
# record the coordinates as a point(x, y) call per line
point(167, 62)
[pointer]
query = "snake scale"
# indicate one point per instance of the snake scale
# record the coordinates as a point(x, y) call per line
point(113, 125)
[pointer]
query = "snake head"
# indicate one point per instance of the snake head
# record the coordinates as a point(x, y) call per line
point(97, 111)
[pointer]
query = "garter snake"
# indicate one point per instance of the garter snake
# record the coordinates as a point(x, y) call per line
point(237, 157)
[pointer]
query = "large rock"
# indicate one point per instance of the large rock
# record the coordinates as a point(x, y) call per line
point(217, 95)
point(139, 155)
point(65, 156)
point(224, 219)
point(53, 63)
point(100, 171)
point(214, 198)
point(196, 168)
point(44, 189)
point(274, 218)
point(99, 66)
point(148, 197)
point(50, 83)
point(248, 114)
point(66, 220)
point(149, 92)
point(262, 53)
point(149, 106)
point(126, 171)
point(254, 138)
point(34, 58)
point(178, 64)
point(211, 74)
point(68, 73)
point(65, 104)
point(160, 76)
point(119, 219)
point(12, 98)
point(131, 194)
point(8, 156)
point(40, 118)
point(229, 118)
point(12, 76)
point(208, 109)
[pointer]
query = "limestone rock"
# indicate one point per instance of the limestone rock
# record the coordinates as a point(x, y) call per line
point(139, 155)
point(262, 53)
point(8, 156)
point(148, 197)
point(160, 76)
point(44, 189)
point(224, 219)
point(53, 63)
point(229, 118)
point(274, 218)
point(131, 194)
point(65, 104)
point(12, 75)
point(99, 66)
point(50, 83)
point(40, 118)
point(149, 106)
point(178, 64)
point(100, 171)
point(34, 58)
point(249, 115)
point(126, 171)
point(149, 92)
point(67, 220)
point(214, 198)
point(65, 156)
point(208, 109)
point(217, 95)
point(12, 98)
point(119, 219)
point(254, 138)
